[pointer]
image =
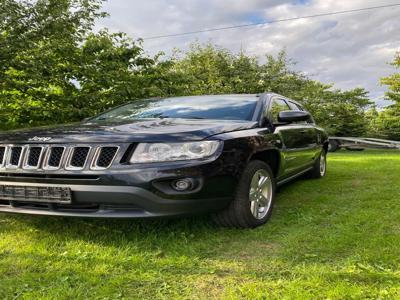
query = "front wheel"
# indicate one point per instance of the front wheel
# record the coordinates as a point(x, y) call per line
point(319, 169)
point(254, 198)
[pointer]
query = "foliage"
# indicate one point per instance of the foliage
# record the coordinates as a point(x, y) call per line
point(207, 69)
point(393, 81)
point(341, 113)
point(54, 69)
point(111, 70)
point(372, 115)
point(388, 121)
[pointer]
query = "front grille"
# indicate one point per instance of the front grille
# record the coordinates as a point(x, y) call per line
point(2, 155)
point(55, 156)
point(34, 156)
point(106, 156)
point(15, 156)
point(79, 157)
point(59, 157)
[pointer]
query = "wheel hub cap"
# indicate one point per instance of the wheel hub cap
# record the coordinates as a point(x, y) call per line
point(260, 194)
point(322, 164)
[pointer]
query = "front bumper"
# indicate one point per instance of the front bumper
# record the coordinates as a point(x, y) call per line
point(132, 191)
point(113, 202)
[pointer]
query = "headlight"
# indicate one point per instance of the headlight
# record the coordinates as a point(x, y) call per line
point(159, 152)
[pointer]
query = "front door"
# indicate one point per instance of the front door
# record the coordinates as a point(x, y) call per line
point(298, 140)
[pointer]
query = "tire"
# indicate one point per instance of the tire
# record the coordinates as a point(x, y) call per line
point(243, 213)
point(319, 169)
point(333, 146)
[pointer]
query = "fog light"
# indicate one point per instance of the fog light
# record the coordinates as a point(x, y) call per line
point(182, 184)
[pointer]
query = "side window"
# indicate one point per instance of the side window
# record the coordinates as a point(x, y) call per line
point(295, 106)
point(277, 106)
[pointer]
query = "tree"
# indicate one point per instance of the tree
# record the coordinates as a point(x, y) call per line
point(38, 46)
point(341, 113)
point(110, 70)
point(54, 69)
point(372, 115)
point(393, 81)
point(207, 69)
point(388, 121)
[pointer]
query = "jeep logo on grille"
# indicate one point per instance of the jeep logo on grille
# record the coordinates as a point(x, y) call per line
point(39, 139)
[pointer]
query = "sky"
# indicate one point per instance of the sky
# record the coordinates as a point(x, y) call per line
point(350, 50)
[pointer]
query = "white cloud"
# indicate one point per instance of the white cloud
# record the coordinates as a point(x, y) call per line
point(349, 50)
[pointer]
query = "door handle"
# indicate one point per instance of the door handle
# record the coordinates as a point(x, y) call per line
point(303, 131)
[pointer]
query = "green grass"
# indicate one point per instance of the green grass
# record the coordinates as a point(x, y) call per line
point(335, 238)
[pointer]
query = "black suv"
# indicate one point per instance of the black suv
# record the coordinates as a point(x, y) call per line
point(223, 154)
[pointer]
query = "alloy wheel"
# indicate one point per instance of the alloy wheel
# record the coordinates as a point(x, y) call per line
point(260, 194)
point(322, 164)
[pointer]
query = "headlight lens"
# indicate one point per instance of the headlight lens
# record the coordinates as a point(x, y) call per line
point(159, 152)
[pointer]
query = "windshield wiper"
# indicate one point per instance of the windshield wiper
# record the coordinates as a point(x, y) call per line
point(182, 117)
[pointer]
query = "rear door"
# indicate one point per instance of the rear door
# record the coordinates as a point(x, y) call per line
point(297, 139)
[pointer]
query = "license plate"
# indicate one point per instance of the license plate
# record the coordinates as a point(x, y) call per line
point(35, 194)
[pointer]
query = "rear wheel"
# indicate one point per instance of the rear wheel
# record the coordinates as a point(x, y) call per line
point(333, 146)
point(254, 198)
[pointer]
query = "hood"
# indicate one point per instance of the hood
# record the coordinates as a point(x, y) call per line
point(145, 130)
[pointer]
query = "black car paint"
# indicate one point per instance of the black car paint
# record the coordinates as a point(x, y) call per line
point(143, 190)
point(154, 130)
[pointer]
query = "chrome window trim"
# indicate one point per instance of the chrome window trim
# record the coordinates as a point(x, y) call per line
point(94, 166)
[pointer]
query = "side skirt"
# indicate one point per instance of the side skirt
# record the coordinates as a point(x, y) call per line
point(286, 180)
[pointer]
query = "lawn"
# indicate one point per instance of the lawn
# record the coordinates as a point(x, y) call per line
point(336, 238)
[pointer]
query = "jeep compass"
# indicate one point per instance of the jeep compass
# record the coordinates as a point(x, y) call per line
point(223, 155)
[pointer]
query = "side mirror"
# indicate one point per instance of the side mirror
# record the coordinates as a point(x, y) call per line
point(289, 116)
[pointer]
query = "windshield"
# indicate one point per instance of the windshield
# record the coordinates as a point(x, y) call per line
point(231, 107)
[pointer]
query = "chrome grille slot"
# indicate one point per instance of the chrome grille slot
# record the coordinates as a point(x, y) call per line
point(15, 156)
point(78, 157)
point(104, 157)
point(33, 157)
point(55, 156)
point(2, 155)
